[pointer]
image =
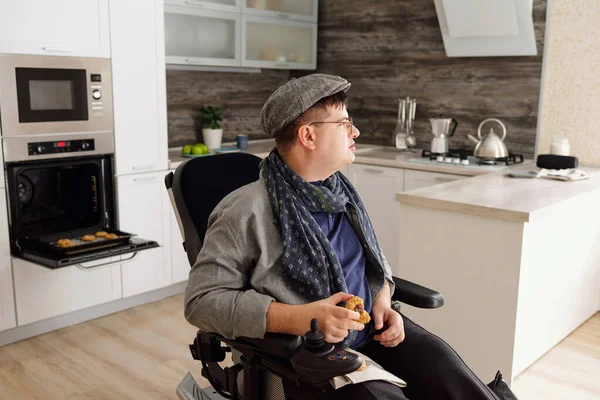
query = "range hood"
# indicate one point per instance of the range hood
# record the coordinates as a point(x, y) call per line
point(491, 28)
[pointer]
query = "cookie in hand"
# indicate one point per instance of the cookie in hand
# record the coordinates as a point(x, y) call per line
point(357, 304)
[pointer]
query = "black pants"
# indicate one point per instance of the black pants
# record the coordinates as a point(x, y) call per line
point(430, 367)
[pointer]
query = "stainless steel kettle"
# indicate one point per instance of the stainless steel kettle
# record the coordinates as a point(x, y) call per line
point(490, 146)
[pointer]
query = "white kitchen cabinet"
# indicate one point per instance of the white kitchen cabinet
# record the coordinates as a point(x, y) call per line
point(2, 182)
point(42, 292)
point(60, 27)
point(195, 36)
point(278, 43)
point(217, 5)
point(472, 28)
point(377, 187)
point(139, 87)
point(143, 206)
point(304, 10)
point(414, 179)
point(7, 295)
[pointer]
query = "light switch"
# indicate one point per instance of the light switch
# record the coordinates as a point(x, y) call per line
point(481, 18)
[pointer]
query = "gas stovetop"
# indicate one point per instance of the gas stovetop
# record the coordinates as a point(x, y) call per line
point(465, 158)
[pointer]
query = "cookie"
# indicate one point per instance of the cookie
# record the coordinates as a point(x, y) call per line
point(88, 238)
point(64, 243)
point(110, 236)
point(101, 234)
point(357, 304)
point(362, 366)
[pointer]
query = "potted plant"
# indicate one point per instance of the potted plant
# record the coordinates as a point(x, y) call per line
point(212, 133)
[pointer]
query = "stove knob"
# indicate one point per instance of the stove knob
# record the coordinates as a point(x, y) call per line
point(448, 160)
point(85, 145)
point(96, 94)
point(40, 149)
point(440, 158)
point(455, 160)
point(465, 162)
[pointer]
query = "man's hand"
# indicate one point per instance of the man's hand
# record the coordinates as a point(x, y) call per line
point(384, 314)
point(334, 321)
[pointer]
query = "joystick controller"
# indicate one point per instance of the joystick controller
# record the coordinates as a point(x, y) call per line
point(317, 360)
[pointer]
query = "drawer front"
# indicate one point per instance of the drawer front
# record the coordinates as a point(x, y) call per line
point(45, 293)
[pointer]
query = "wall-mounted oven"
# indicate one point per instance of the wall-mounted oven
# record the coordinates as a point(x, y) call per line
point(62, 207)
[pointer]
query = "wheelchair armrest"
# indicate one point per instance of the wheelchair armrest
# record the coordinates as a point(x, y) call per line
point(416, 295)
point(274, 344)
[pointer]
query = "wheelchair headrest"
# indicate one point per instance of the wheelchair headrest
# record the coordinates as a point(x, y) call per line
point(201, 183)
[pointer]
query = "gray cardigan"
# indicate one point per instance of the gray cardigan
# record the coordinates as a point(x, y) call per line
point(238, 272)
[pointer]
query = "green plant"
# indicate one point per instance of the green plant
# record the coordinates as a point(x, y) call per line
point(209, 117)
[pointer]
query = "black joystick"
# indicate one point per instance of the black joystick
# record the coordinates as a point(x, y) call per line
point(314, 338)
point(318, 360)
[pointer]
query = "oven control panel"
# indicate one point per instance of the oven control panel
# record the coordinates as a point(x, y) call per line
point(63, 146)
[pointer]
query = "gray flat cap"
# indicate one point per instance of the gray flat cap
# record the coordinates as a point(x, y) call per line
point(296, 96)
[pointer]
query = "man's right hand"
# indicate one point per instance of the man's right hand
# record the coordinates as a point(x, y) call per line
point(334, 321)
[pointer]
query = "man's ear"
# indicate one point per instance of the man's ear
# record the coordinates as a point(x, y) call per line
point(306, 137)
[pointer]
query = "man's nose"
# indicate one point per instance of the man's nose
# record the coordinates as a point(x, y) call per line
point(355, 132)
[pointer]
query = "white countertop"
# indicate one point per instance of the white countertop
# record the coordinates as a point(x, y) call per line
point(499, 196)
point(384, 156)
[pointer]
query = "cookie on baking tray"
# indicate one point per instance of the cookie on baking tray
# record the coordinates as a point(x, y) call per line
point(357, 304)
point(88, 238)
point(101, 234)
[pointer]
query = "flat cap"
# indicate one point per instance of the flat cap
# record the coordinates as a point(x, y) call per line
point(296, 96)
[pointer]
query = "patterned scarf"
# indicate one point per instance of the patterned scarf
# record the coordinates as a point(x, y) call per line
point(309, 260)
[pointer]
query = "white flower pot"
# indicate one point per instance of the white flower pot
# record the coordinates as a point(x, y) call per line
point(212, 138)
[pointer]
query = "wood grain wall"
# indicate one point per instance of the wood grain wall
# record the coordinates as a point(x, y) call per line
point(387, 50)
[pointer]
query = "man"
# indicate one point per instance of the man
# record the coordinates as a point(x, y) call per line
point(292, 245)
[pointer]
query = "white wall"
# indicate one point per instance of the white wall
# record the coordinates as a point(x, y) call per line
point(570, 96)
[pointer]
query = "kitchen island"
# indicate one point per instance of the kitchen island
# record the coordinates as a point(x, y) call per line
point(517, 261)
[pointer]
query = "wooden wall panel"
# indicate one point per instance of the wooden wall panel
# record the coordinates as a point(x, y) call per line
point(387, 50)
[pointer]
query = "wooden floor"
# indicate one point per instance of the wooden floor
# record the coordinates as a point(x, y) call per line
point(142, 353)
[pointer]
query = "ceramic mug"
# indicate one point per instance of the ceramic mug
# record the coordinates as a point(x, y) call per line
point(241, 142)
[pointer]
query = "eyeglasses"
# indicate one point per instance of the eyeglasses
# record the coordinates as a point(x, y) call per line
point(347, 124)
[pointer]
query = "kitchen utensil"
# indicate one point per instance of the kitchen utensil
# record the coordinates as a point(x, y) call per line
point(442, 129)
point(399, 133)
point(490, 146)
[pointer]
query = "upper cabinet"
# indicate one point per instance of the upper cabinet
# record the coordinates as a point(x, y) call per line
point(304, 10)
point(59, 27)
point(217, 5)
point(242, 33)
point(187, 33)
point(139, 87)
point(472, 28)
point(275, 43)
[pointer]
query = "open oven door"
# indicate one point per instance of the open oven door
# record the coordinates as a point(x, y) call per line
point(62, 212)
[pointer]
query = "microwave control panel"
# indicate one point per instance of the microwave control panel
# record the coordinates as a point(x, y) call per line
point(63, 146)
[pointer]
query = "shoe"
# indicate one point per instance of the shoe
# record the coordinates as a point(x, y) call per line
point(500, 387)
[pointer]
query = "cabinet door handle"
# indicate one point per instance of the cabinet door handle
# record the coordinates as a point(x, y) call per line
point(373, 171)
point(145, 179)
point(187, 60)
point(189, 3)
point(281, 15)
point(58, 49)
point(142, 167)
point(282, 64)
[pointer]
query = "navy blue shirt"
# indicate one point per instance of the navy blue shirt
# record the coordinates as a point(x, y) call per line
point(350, 252)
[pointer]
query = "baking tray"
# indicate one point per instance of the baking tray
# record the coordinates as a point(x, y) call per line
point(50, 243)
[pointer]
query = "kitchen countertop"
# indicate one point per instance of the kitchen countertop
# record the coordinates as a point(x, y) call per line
point(499, 196)
point(384, 156)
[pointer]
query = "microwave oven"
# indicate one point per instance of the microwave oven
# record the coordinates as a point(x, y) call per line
point(54, 95)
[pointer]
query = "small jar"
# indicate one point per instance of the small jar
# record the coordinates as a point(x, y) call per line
point(560, 146)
